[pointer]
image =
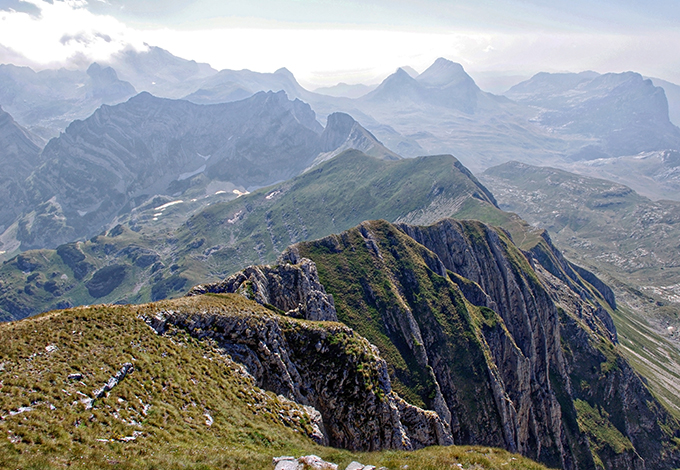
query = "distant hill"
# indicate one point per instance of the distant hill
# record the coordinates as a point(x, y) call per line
point(159, 72)
point(343, 90)
point(254, 228)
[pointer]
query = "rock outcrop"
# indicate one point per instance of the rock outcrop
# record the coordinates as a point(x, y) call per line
point(325, 366)
point(292, 287)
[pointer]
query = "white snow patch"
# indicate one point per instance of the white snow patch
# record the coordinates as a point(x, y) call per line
point(239, 193)
point(165, 206)
point(236, 218)
point(272, 195)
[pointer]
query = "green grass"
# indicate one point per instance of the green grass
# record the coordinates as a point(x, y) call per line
point(177, 380)
point(595, 423)
point(253, 229)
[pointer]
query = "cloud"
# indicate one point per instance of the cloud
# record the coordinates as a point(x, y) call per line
point(49, 33)
point(63, 32)
point(325, 56)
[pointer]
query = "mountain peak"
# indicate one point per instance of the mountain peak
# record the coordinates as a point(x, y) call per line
point(444, 72)
point(284, 71)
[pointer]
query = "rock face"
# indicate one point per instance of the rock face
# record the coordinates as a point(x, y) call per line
point(514, 357)
point(123, 155)
point(625, 112)
point(19, 152)
point(325, 366)
point(291, 286)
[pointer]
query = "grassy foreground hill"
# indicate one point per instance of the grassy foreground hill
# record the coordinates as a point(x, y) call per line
point(126, 266)
point(186, 404)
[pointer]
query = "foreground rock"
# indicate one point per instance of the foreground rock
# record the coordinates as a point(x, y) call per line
point(312, 462)
point(324, 366)
point(292, 287)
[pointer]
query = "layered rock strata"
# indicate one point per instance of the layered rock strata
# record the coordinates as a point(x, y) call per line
point(325, 366)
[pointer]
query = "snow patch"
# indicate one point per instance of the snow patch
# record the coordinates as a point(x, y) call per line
point(166, 205)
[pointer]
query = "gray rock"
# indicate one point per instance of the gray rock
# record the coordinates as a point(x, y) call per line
point(310, 364)
point(359, 466)
point(292, 286)
point(115, 380)
point(313, 462)
point(286, 463)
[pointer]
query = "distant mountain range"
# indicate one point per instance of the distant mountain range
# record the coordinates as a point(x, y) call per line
point(47, 101)
point(625, 113)
point(121, 156)
point(548, 119)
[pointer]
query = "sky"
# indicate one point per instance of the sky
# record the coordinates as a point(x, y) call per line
point(324, 42)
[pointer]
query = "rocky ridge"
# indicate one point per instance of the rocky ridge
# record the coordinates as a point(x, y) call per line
point(543, 355)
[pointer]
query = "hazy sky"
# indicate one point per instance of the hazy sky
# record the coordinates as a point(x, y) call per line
point(326, 41)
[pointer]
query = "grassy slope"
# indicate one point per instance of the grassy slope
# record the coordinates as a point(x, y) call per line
point(252, 229)
point(180, 378)
point(328, 199)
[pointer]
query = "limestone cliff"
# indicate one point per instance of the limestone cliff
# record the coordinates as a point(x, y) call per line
point(484, 335)
point(292, 287)
point(325, 366)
